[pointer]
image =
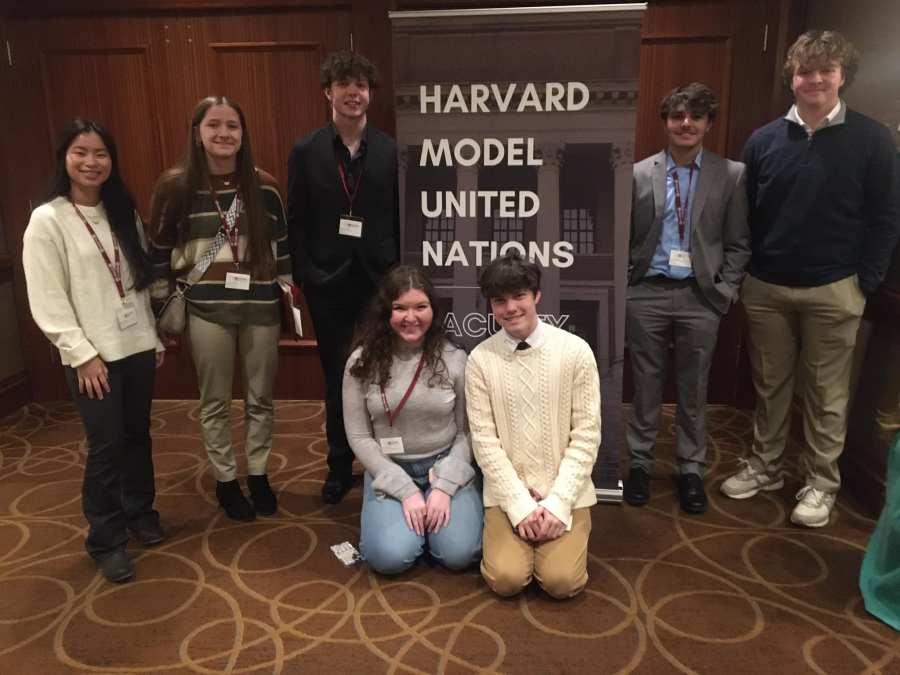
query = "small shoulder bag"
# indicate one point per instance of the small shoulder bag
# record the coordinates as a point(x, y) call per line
point(173, 315)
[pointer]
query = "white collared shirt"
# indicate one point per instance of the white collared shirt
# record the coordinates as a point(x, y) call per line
point(536, 339)
point(794, 116)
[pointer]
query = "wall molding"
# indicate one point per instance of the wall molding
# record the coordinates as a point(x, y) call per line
point(43, 8)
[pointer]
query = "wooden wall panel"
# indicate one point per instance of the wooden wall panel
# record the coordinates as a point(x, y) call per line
point(107, 85)
point(269, 63)
point(669, 62)
point(275, 84)
point(107, 69)
point(181, 86)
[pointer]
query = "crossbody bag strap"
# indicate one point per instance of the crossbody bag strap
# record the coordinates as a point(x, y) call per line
point(207, 258)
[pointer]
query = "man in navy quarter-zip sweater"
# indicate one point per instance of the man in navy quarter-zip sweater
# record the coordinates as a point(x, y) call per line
point(824, 220)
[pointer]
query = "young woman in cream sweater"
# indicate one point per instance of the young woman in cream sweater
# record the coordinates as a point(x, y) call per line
point(87, 274)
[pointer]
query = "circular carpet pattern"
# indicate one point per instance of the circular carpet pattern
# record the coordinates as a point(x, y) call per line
point(738, 590)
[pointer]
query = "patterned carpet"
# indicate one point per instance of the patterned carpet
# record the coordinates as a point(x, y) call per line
point(735, 591)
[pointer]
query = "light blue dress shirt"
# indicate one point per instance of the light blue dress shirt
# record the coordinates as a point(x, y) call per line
point(669, 239)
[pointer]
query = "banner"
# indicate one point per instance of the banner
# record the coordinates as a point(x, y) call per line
point(515, 128)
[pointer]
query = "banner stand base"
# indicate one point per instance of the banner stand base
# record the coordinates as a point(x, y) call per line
point(609, 495)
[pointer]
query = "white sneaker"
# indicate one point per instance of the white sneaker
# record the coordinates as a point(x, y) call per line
point(750, 480)
point(814, 508)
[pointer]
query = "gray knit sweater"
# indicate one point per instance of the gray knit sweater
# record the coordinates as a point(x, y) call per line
point(432, 420)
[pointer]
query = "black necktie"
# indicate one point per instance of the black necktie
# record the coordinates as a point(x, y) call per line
point(522, 345)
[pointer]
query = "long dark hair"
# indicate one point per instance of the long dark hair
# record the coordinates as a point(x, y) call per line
point(177, 188)
point(376, 337)
point(116, 198)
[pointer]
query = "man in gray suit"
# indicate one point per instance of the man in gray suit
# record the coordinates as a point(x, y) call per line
point(689, 246)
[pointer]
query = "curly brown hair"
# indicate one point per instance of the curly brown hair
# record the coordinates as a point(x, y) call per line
point(377, 339)
point(344, 65)
point(815, 48)
point(696, 98)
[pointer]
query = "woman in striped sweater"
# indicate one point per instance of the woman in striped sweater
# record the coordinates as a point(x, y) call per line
point(217, 201)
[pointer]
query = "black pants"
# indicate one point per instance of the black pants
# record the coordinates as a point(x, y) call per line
point(335, 314)
point(119, 486)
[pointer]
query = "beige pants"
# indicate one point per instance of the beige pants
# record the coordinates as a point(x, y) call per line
point(810, 331)
point(213, 347)
point(509, 562)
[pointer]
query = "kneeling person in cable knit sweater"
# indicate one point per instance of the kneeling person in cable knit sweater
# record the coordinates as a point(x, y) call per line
point(533, 399)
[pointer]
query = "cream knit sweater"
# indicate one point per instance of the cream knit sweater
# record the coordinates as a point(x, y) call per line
point(534, 417)
point(72, 295)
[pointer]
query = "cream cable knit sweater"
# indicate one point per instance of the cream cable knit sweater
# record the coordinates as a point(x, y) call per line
point(534, 417)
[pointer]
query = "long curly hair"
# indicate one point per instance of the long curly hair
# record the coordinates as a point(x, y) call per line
point(177, 188)
point(377, 339)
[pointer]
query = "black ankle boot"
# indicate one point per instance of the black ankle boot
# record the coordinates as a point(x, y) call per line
point(264, 500)
point(336, 485)
point(233, 501)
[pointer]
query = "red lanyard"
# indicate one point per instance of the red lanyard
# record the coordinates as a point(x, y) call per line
point(230, 230)
point(387, 409)
point(350, 198)
point(115, 268)
point(681, 211)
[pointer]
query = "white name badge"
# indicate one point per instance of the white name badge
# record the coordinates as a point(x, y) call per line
point(679, 258)
point(350, 226)
point(126, 315)
point(391, 446)
point(237, 281)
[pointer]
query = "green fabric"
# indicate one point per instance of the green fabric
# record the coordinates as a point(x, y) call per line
point(879, 579)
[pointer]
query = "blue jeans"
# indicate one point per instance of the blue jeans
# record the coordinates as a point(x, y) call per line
point(390, 547)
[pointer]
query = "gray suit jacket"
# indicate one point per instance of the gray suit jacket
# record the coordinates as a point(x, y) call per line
point(720, 235)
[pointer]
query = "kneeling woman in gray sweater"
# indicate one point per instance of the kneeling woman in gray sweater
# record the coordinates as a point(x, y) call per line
point(405, 417)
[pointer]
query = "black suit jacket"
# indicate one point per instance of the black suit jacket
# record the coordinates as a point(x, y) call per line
point(321, 257)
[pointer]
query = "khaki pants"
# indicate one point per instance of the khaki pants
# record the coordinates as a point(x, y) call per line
point(813, 329)
point(213, 347)
point(509, 562)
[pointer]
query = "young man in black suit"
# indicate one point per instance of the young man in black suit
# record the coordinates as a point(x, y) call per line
point(344, 230)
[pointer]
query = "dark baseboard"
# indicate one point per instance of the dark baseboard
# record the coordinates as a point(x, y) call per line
point(15, 391)
point(862, 482)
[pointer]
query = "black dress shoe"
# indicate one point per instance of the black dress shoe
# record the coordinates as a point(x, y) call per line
point(116, 566)
point(233, 501)
point(691, 493)
point(336, 485)
point(149, 534)
point(637, 487)
point(264, 500)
